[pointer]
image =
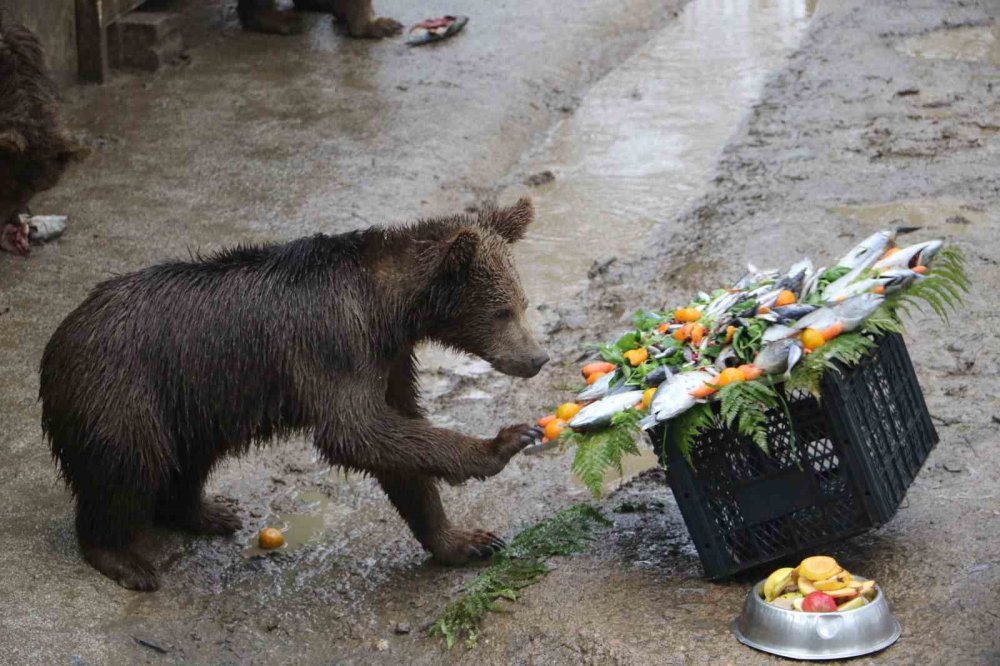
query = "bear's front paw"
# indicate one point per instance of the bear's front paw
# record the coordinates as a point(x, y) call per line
point(378, 28)
point(508, 442)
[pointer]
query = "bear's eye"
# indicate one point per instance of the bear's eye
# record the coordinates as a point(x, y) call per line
point(506, 314)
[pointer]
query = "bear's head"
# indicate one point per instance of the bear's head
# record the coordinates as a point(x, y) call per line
point(477, 294)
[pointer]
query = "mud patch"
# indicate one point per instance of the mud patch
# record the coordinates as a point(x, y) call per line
point(954, 215)
point(979, 43)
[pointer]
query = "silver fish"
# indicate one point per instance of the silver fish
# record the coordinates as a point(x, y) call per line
point(726, 358)
point(658, 376)
point(599, 413)
point(673, 397)
point(796, 275)
point(868, 251)
point(912, 256)
point(839, 288)
point(895, 279)
point(811, 283)
point(794, 311)
point(598, 389)
point(850, 314)
point(779, 356)
point(778, 332)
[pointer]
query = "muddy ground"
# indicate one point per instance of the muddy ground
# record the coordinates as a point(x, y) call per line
point(259, 138)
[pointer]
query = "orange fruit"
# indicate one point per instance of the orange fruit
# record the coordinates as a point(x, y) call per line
point(687, 314)
point(545, 420)
point(555, 428)
point(703, 391)
point(878, 289)
point(270, 538)
point(636, 356)
point(683, 333)
point(730, 375)
point(763, 310)
point(697, 333)
point(784, 298)
point(812, 339)
point(567, 410)
point(647, 397)
point(594, 376)
point(597, 366)
point(730, 332)
point(662, 328)
point(920, 269)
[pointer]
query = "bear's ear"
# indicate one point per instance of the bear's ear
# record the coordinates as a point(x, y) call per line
point(459, 251)
point(12, 142)
point(509, 223)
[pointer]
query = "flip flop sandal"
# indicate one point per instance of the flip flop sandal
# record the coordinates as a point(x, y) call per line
point(436, 29)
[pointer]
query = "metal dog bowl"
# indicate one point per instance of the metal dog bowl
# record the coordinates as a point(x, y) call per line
point(800, 635)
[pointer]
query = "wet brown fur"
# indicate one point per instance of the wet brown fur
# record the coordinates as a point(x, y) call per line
point(159, 374)
point(34, 150)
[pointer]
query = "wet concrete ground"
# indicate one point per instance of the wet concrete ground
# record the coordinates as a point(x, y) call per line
point(260, 138)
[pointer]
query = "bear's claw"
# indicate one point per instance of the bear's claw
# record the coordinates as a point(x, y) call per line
point(124, 567)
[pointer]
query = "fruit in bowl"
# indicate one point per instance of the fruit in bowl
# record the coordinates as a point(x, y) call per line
point(818, 585)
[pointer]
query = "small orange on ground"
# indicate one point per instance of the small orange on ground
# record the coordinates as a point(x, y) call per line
point(545, 420)
point(697, 333)
point(567, 410)
point(786, 297)
point(597, 366)
point(812, 339)
point(687, 314)
point(555, 428)
point(636, 357)
point(751, 371)
point(730, 332)
point(832, 331)
point(703, 391)
point(270, 538)
point(730, 375)
point(647, 397)
point(594, 376)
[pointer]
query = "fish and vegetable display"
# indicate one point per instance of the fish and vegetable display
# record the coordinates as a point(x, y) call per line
point(818, 585)
point(729, 356)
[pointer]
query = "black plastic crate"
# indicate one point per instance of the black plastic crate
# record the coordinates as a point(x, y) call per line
point(855, 453)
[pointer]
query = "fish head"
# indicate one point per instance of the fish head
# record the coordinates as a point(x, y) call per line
point(478, 291)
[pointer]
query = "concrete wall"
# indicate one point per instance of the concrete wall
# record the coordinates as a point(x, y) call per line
point(54, 21)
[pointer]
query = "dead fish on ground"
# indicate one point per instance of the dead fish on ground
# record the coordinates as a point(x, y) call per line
point(434, 30)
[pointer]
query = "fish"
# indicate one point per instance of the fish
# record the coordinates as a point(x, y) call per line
point(779, 356)
point(778, 332)
point(599, 413)
point(727, 358)
point(673, 397)
point(868, 251)
point(787, 313)
point(896, 279)
point(598, 389)
point(722, 304)
point(811, 283)
point(796, 275)
point(911, 256)
point(850, 314)
point(658, 376)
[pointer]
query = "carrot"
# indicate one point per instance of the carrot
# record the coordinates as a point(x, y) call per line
point(763, 310)
point(879, 289)
point(751, 371)
point(597, 366)
point(594, 376)
point(920, 269)
point(684, 332)
point(545, 420)
point(687, 314)
point(832, 331)
point(663, 328)
point(703, 391)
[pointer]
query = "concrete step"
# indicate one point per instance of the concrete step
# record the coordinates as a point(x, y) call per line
point(145, 40)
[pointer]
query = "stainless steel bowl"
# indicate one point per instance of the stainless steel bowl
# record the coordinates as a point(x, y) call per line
point(801, 635)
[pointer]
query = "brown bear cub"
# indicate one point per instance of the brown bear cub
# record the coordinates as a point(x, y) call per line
point(159, 374)
point(34, 150)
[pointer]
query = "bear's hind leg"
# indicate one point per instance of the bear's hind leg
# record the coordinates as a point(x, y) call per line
point(418, 502)
point(182, 505)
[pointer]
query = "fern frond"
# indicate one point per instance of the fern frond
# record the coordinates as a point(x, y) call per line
point(686, 427)
point(601, 450)
point(883, 321)
point(846, 349)
point(745, 405)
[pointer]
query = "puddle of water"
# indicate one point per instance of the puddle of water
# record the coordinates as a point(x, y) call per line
point(645, 139)
point(971, 43)
point(954, 214)
point(299, 528)
point(632, 466)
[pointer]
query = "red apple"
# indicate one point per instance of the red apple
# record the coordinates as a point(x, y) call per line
point(819, 602)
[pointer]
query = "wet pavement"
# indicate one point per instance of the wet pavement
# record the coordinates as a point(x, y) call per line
point(805, 145)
